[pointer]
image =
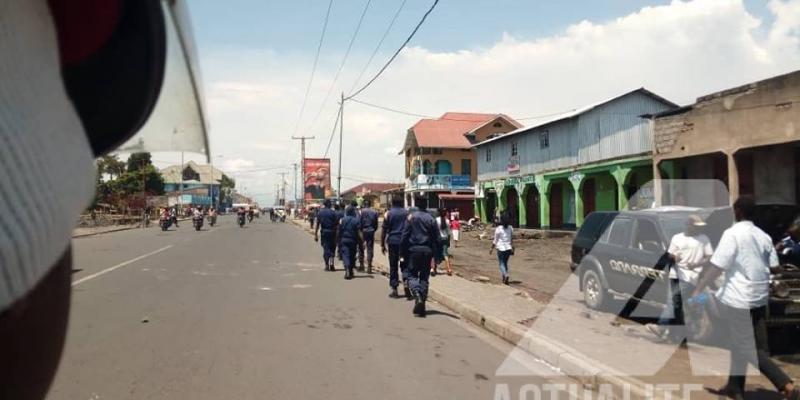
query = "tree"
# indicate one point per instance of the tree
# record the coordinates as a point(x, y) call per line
point(111, 165)
point(225, 183)
point(136, 160)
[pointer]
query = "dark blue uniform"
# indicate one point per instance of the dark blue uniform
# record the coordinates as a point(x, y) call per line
point(393, 224)
point(349, 228)
point(369, 224)
point(327, 223)
point(419, 245)
point(339, 215)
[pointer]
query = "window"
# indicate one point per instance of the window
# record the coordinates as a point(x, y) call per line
point(437, 150)
point(513, 149)
point(426, 150)
point(497, 125)
point(619, 234)
point(466, 167)
point(647, 237)
point(488, 155)
point(416, 151)
point(544, 139)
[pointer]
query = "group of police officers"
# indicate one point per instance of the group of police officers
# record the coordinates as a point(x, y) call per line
point(411, 238)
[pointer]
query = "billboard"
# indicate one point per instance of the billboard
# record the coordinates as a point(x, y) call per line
point(317, 179)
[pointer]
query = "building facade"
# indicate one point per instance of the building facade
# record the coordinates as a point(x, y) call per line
point(370, 191)
point(439, 158)
point(553, 174)
point(193, 183)
point(747, 138)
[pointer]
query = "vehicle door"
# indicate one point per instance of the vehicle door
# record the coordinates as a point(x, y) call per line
point(649, 263)
point(611, 251)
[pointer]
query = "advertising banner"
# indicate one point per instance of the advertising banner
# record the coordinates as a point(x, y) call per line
point(317, 179)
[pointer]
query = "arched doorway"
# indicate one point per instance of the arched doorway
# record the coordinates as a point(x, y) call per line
point(532, 207)
point(562, 205)
point(427, 167)
point(491, 206)
point(512, 206)
point(599, 193)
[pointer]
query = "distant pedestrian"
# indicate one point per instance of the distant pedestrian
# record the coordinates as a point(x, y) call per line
point(369, 224)
point(420, 244)
point(394, 222)
point(327, 224)
point(746, 256)
point(443, 223)
point(455, 229)
point(349, 240)
point(503, 242)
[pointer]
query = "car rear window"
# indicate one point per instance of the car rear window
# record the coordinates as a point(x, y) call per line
point(619, 233)
point(594, 225)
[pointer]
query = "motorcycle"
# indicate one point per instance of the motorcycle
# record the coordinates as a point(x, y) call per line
point(241, 220)
point(212, 220)
point(165, 223)
point(198, 223)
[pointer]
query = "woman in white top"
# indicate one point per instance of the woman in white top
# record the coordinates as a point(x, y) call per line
point(503, 242)
point(443, 223)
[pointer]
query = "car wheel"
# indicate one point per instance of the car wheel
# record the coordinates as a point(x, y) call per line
point(594, 293)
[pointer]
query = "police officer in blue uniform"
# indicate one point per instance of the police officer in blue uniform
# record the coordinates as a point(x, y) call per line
point(349, 240)
point(369, 224)
point(337, 208)
point(394, 221)
point(419, 244)
point(327, 223)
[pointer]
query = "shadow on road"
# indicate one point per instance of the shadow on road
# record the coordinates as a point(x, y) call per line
point(446, 314)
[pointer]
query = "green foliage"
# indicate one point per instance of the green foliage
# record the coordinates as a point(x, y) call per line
point(136, 160)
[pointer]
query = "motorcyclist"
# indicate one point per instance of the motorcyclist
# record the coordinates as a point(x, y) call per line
point(173, 213)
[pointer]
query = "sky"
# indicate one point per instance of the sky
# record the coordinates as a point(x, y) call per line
point(524, 58)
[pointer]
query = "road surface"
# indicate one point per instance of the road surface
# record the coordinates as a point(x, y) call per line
point(232, 313)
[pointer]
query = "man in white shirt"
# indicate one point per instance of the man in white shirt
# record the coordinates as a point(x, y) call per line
point(745, 254)
point(689, 251)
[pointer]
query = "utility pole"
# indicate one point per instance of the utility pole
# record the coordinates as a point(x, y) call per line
point(282, 189)
point(144, 195)
point(302, 140)
point(294, 182)
point(341, 132)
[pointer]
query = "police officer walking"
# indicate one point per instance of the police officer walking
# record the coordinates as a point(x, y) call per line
point(337, 208)
point(394, 221)
point(419, 245)
point(369, 224)
point(349, 240)
point(327, 223)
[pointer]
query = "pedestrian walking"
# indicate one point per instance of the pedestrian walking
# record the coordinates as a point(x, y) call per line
point(327, 224)
point(745, 255)
point(369, 224)
point(349, 240)
point(443, 224)
point(689, 251)
point(503, 242)
point(337, 208)
point(312, 216)
point(455, 229)
point(419, 245)
point(394, 222)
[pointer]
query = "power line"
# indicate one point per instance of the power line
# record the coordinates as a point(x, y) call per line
point(333, 131)
point(380, 42)
point(396, 53)
point(341, 66)
point(314, 68)
point(412, 114)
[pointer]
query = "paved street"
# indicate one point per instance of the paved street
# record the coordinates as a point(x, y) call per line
point(231, 313)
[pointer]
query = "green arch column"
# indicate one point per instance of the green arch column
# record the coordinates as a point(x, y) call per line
point(521, 205)
point(543, 185)
point(576, 179)
point(620, 175)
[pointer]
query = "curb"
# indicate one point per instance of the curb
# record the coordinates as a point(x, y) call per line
point(569, 361)
point(126, 228)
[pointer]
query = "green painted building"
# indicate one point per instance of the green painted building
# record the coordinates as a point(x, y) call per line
point(553, 174)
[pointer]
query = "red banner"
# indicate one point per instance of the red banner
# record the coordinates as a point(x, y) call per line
point(317, 180)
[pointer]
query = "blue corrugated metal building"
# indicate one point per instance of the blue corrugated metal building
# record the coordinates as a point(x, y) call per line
point(552, 174)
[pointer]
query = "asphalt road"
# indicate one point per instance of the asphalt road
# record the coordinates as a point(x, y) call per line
point(232, 313)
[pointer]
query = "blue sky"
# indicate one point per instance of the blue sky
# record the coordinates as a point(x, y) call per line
point(521, 58)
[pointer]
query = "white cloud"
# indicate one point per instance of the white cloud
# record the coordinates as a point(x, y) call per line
point(237, 165)
point(681, 50)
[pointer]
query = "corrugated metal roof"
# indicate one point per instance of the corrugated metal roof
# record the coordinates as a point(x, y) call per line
point(576, 112)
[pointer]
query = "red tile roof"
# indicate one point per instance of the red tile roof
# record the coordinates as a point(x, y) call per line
point(449, 130)
point(373, 187)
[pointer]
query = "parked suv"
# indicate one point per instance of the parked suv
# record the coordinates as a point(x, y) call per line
point(623, 254)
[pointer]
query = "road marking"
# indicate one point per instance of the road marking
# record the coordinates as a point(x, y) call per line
point(120, 265)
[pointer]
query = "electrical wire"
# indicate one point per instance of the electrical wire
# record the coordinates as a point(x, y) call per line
point(333, 131)
point(380, 43)
point(314, 68)
point(341, 66)
point(396, 53)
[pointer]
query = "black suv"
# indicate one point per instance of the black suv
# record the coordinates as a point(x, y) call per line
point(623, 254)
